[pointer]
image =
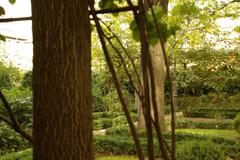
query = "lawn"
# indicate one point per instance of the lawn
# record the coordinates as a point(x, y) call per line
point(228, 134)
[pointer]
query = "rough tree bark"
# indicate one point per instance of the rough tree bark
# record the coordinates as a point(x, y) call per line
point(62, 112)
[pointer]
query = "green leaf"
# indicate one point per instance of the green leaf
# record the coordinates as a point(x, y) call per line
point(173, 29)
point(12, 1)
point(2, 11)
point(237, 29)
point(153, 41)
point(136, 35)
point(2, 38)
point(133, 25)
point(104, 4)
point(92, 27)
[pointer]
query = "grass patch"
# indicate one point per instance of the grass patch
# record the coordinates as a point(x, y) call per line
point(228, 134)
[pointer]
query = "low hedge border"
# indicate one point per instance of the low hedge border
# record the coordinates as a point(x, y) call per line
point(186, 123)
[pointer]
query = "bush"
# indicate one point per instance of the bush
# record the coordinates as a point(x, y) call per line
point(10, 141)
point(102, 115)
point(21, 155)
point(27, 80)
point(211, 112)
point(236, 123)
point(118, 131)
point(180, 137)
point(185, 123)
point(114, 144)
point(200, 150)
point(102, 123)
point(122, 120)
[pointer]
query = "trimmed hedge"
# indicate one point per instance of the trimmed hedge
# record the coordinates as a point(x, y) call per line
point(102, 123)
point(236, 123)
point(98, 115)
point(189, 146)
point(125, 132)
point(205, 112)
point(200, 150)
point(185, 123)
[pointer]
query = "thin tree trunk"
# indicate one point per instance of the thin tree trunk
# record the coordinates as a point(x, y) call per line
point(159, 72)
point(62, 112)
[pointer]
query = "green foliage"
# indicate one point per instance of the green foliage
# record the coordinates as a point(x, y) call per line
point(236, 123)
point(102, 123)
point(106, 4)
point(167, 28)
point(118, 131)
point(114, 144)
point(5, 81)
point(2, 11)
point(10, 141)
point(21, 103)
point(100, 115)
point(119, 141)
point(2, 37)
point(27, 80)
point(122, 120)
point(237, 29)
point(12, 1)
point(23, 110)
point(185, 123)
point(224, 133)
point(212, 112)
point(21, 155)
point(185, 8)
point(10, 76)
point(199, 150)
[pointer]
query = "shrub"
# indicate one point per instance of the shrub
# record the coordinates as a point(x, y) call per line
point(10, 141)
point(27, 80)
point(102, 123)
point(185, 123)
point(200, 150)
point(114, 144)
point(97, 115)
point(236, 123)
point(21, 155)
point(212, 112)
point(118, 131)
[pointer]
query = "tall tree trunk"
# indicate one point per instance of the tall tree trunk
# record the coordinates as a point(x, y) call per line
point(62, 112)
point(159, 72)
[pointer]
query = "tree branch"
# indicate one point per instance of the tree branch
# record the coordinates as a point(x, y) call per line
point(103, 11)
point(126, 52)
point(2, 20)
point(116, 82)
point(6, 120)
point(124, 66)
point(116, 10)
point(14, 123)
